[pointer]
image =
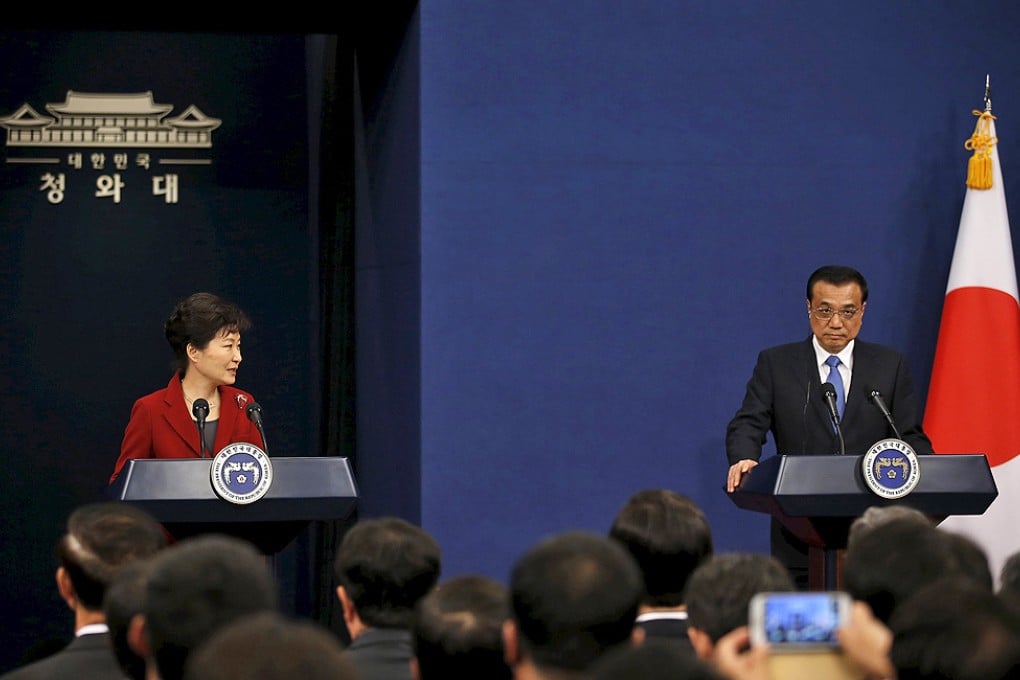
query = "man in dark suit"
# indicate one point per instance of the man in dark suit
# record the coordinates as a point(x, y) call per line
point(574, 597)
point(101, 539)
point(193, 590)
point(384, 566)
point(784, 395)
point(669, 537)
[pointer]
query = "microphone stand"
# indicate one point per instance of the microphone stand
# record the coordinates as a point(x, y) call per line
point(829, 392)
point(839, 434)
point(877, 400)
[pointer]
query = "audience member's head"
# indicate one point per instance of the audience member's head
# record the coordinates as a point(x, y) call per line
point(458, 630)
point(969, 558)
point(196, 587)
point(1009, 576)
point(655, 659)
point(101, 538)
point(384, 567)
point(955, 629)
point(668, 536)
point(1009, 581)
point(883, 577)
point(269, 646)
point(877, 515)
point(573, 596)
point(720, 591)
point(124, 606)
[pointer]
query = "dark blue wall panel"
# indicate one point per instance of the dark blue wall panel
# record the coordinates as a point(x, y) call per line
point(621, 202)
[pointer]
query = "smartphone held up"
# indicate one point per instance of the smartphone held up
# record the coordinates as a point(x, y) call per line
point(798, 621)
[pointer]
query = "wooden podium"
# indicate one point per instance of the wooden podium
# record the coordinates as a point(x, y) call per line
point(817, 498)
point(179, 493)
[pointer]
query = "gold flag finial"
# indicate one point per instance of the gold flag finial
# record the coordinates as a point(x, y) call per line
point(979, 168)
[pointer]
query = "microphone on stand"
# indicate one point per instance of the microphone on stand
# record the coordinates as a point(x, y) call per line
point(200, 409)
point(829, 393)
point(255, 415)
point(876, 398)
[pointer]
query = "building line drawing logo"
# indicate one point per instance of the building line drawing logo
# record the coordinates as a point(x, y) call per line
point(109, 132)
point(92, 119)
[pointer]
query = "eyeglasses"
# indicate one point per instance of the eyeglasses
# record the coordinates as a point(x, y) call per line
point(826, 313)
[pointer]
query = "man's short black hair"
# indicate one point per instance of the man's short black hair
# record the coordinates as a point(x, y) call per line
point(101, 538)
point(837, 275)
point(386, 565)
point(1009, 576)
point(573, 596)
point(270, 646)
point(196, 587)
point(884, 577)
point(458, 630)
point(720, 590)
point(877, 515)
point(669, 536)
point(955, 628)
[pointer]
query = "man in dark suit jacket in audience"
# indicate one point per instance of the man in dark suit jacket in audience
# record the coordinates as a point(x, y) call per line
point(668, 535)
point(101, 538)
point(784, 395)
point(384, 567)
point(194, 589)
point(719, 594)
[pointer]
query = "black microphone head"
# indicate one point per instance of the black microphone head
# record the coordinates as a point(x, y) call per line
point(828, 390)
point(254, 412)
point(200, 408)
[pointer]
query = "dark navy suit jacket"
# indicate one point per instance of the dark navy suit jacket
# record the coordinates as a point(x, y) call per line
point(784, 397)
point(87, 657)
point(382, 654)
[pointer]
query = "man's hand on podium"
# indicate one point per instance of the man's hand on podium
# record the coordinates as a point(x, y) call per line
point(737, 472)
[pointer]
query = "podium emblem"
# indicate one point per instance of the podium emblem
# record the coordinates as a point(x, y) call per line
point(890, 468)
point(241, 473)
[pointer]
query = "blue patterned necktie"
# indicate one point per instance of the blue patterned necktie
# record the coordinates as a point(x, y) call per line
point(837, 381)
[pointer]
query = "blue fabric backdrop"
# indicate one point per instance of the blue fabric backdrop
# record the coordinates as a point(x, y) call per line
point(621, 203)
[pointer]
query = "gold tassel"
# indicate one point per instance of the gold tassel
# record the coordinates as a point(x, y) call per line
point(979, 168)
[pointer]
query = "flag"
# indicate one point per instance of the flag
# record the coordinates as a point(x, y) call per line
point(973, 403)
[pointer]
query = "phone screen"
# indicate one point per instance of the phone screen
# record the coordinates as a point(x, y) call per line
point(798, 619)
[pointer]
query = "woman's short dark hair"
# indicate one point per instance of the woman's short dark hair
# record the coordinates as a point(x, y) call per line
point(196, 320)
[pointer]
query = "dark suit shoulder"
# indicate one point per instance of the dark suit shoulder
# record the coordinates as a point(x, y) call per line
point(862, 348)
point(789, 349)
point(89, 656)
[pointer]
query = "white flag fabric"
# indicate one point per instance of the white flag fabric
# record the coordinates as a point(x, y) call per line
point(973, 403)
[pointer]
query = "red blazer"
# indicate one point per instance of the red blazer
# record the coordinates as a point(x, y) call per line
point(161, 426)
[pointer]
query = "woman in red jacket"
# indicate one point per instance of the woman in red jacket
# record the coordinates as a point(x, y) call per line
point(205, 334)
